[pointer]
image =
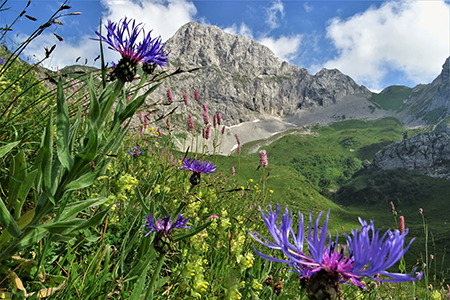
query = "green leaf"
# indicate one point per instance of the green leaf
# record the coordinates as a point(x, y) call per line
point(62, 128)
point(94, 110)
point(47, 156)
point(82, 182)
point(7, 220)
point(137, 290)
point(76, 207)
point(89, 152)
point(183, 236)
point(17, 172)
point(5, 149)
point(131, 108)
point(22, 194)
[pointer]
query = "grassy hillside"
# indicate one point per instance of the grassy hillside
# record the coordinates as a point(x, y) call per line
point(323, 170)
point(391, 98)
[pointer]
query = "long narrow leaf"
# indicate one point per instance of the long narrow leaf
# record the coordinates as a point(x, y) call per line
point(5, 149)
point(7, 220)
point(62, 128)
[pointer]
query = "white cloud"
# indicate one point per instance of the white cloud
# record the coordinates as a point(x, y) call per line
point(308, 7)
point(164, 17)
point(284, 47)
point(277, 7)
point(241, 30)
point(64, 53)
point(411, 37)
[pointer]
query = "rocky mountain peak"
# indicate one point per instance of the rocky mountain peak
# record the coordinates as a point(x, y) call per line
point(244, 80)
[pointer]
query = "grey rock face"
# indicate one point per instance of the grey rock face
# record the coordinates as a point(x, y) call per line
point(429, 103)
point(243, 80)
point(427, 153)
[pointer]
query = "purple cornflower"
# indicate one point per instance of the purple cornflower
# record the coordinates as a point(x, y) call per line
point(2, 61)
point(135, 151)
point(197, 167)
point(163, 238)
point(165, 224)
point(122, 37)
point(263, 158)
point(365, 255)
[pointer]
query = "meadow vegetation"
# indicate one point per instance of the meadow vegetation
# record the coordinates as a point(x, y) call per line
point(80, 201)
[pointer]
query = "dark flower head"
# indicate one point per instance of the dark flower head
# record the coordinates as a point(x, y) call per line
point(122, 37)
point(163, 239)
point(365, 255)
point(135, 151)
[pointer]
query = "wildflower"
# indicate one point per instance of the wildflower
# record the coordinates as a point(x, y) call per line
point(169, 96)
point(205, 114)
point(158, 132)
point(239, 144)
point(219, 118)
point(207, 132)
point(263, 158)
point(233, 171)
point(135, 151)
point(215, 120)
point(196, 95)
point(197, 167)
point(185, 98)
point(2, 61)
point(392, 207)
point(122, 36)
point(190, 124)
point(271, 191)
point(163, 238)
point(325, 267)
point(168, 124)
point(420, 211)
point(223, 129)
point(401, 225)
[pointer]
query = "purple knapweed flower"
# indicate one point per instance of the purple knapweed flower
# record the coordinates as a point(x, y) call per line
point(163, 240)
point(263, 158)
point(197, 167)
point(122, 37)
point(135, 151)
point(2, 61)
point(366, 254)
point(166, 224)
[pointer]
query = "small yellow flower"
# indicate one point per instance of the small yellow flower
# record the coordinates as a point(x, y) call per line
point(242, 188)
point(270, 191)
point(251, 180)
point(243, 283)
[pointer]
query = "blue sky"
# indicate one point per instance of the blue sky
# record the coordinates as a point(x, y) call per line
point(377, 43)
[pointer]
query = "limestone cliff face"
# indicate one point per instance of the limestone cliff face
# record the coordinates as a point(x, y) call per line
point(428, 153)
point(429, 103)
point(243, 80)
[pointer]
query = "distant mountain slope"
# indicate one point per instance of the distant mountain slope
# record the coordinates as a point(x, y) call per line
point(429, 103)
point(244, 80)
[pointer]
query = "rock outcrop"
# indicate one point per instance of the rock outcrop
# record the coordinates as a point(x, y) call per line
point(244, 81)
point(428, 153)
point(429, 103)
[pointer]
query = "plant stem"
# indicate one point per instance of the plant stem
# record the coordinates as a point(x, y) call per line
point(151, 288)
